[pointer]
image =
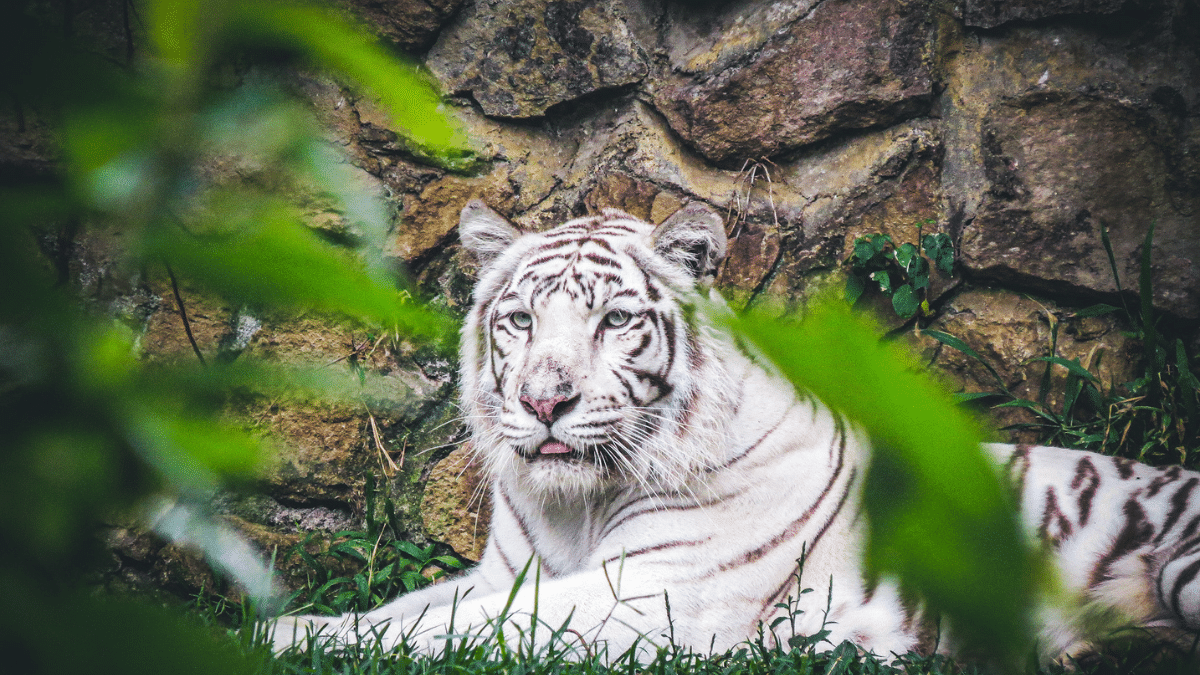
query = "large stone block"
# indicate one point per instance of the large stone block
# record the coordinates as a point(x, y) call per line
point(1061, 166)
point(990, 13)
point(411, 24)
point(517, 59)
point(846, 65)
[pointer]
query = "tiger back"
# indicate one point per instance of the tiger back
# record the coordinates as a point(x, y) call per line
point(663, 483)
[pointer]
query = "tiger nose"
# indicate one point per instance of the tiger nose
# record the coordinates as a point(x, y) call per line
point(548, 410)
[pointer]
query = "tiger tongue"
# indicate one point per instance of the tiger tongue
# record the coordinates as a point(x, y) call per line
point(553, 448)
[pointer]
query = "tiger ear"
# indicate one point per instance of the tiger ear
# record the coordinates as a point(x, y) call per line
point(693, 238)
point(484, 232)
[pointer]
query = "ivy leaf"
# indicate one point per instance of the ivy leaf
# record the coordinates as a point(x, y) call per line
point(884, 280)
point(940, 249)
point(905, 302)
point(863, 251)
point(905, 254)
point(919, 273)
point(945, 262)
point(880, 242)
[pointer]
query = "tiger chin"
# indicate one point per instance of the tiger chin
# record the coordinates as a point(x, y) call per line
point(664, 484)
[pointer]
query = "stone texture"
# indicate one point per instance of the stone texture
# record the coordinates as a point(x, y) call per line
point(619, 191)
point(990, 13)
point(523, 167)
point(520, 58)
point(456, 504)
point(1059, 167)
point(847, 65)
point(411, 24)
point(142, 562)
point(707, 37)
point(984, 70)
point(784, 219)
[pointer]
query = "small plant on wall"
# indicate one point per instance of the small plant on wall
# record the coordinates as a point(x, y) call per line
point(901, 272)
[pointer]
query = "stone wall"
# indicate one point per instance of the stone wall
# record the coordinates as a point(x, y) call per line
point(1019, 128)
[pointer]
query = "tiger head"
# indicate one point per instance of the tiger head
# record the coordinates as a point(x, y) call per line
point(583, 366)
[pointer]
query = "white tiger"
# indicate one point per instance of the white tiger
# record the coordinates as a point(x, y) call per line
point(644, 462)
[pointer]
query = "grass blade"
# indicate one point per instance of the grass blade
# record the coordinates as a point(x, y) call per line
point(951, 341)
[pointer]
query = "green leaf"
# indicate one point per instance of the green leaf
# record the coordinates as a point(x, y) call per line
point(262, 255)
point(1036, 408)
point(1070, 394)
point(967, 397)
point(855, 286)
point(863, 251)
point(905, 254)
point(955, 343)
point(919, 267)
point(884, 280)
point(1112, 259)
point(945, 262)
point(412, 551)
point(940, 249)
point(181, 31)
point(1186, 376)
point(842, 658)
point(192, 453)
point(905, 302)
point(1071, 365)
point(880, 242)
point(449, 561)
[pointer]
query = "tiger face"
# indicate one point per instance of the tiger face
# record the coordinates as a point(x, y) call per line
point(579, 363)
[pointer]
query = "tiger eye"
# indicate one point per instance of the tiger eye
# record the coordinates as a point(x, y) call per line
point(617, 318)
point(521, 320)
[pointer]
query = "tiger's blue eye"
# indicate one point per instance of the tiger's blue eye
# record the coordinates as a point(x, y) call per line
point(617, 318)
point(521, 320)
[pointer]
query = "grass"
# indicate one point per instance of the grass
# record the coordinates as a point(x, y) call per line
point(1127, 653)
point(360, 570)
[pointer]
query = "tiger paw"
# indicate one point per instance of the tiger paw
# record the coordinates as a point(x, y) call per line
point(295, 631)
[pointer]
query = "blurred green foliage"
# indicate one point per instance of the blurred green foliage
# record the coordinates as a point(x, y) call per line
point(88, 429)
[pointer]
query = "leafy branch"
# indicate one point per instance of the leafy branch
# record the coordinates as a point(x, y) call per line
point(901, 273)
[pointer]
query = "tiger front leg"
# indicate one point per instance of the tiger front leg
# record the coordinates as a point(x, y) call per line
point(582, 613)
point(489, 576)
